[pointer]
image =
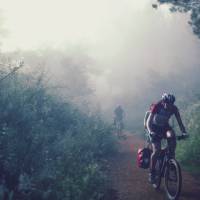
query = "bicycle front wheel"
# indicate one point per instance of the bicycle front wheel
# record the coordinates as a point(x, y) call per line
point(172, 179)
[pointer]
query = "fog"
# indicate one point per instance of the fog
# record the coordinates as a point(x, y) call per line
point(127, 51)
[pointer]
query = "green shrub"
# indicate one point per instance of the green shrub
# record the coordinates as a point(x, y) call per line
point(189, 151)
point(48, 148)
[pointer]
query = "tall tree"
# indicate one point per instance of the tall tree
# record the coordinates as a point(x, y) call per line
point(185, 6)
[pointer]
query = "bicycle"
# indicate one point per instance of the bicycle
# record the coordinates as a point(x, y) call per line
point(118, 124)
point(168, 168)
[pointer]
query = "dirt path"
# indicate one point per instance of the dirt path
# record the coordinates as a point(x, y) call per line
point(130, 183)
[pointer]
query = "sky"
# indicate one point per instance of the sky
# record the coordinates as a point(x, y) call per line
point(34, 23)
point(125, 40)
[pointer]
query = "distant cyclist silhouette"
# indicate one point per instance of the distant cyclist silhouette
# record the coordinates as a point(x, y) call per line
point(118, 119)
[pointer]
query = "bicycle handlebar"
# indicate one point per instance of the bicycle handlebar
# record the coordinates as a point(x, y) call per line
point(182, 137)
point(178, 137)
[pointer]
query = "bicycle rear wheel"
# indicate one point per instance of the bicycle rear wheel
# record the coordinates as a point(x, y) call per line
point(172, 179)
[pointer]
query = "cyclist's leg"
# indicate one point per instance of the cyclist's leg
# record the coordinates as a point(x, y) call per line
point(171, 141)
point(156, 148)
point(118, 127)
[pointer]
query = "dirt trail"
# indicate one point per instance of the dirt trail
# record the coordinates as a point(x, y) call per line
point(130, 183)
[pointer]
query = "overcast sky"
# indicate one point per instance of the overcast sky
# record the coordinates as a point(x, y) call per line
point(37, 22)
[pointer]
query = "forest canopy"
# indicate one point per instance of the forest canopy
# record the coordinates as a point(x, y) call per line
point(192, 6)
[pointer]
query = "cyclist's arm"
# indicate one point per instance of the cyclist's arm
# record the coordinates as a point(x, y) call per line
point(179, 120)
point(149, 122)
point(145, 119)
point(153, 110)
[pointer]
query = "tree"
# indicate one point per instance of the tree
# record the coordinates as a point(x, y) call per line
point(185, 6)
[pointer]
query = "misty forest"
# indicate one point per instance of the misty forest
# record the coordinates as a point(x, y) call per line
point(65, 67)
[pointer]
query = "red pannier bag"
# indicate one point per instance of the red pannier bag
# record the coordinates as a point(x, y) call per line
point(143, 158)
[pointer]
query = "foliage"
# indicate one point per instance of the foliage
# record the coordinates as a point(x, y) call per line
point(185, 6)
point(48, 148)
point(188, 151)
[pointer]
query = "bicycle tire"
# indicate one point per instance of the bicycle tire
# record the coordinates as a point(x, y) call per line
point(175, 164)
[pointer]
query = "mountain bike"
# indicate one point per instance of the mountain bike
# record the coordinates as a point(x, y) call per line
point(119, 127)
point(168, 168)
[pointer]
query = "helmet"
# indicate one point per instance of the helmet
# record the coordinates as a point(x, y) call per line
point(168, 98)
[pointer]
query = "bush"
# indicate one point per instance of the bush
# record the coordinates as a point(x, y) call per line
point(188, 151)
point(49, 149)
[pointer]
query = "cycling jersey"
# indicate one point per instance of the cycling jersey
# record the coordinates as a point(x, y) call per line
point(162, 114)
point(119, 113)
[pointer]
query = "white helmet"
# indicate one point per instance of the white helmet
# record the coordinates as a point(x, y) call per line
point(168, 98)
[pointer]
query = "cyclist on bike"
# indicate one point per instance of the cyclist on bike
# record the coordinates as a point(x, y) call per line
point(159, 128)
point(118, 115)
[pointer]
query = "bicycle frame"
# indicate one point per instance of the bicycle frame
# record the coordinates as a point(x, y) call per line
point(164, 151)
point(163, 166)
point(164, 160)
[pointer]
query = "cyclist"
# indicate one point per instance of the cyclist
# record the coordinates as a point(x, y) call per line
point(159, 128)
point(118, 115)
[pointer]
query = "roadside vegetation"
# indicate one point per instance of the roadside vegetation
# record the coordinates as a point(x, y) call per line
point(188, 151)
point(49, 149)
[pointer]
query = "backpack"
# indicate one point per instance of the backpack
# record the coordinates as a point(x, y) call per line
point(143, 157)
